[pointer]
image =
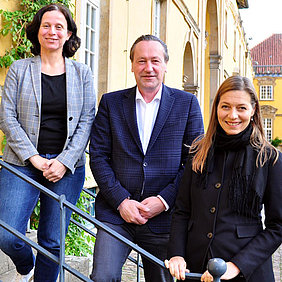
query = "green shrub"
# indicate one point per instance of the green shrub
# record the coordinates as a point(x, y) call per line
point(77, 242)
point(276, 142)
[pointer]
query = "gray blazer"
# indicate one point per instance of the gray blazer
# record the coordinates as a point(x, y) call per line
point(21, 111)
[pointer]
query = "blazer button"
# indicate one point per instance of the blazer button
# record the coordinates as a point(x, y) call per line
point(212, 210)
point(209, 235)
point(145, 164)
point(217, 185)
point(70, 118)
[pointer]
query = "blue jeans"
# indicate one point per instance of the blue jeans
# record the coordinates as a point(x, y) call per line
point(18, 199)
point(110, 254)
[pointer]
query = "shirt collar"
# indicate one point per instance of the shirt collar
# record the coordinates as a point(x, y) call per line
point(157, 96)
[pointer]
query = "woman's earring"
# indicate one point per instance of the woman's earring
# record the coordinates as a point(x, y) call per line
point(252, 119)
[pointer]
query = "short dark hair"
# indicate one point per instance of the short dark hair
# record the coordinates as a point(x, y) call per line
point(70, 46)
point(148, 37)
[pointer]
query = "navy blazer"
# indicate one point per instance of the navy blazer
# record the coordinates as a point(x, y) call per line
point(118, 163)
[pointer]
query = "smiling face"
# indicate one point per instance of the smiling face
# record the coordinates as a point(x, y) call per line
point(149, 66)
point(53, 32)
point(234, 111)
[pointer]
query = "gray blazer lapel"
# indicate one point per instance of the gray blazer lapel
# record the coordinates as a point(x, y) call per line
point(129, 109)
point(165, 107)
point(36, 78)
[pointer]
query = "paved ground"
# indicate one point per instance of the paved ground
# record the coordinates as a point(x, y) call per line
point(129, 271)
point(277, 264)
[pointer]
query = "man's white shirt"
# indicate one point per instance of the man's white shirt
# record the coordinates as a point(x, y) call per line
point(146, 114)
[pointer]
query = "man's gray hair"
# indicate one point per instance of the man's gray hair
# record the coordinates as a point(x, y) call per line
point(148, 37)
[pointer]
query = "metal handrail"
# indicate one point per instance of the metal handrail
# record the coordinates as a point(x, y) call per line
point(217, 272)
point(136, 261)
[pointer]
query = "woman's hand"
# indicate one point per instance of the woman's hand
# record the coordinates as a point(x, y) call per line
point(56, 170)
point(177, 267)
point(39, 162)
point(231, 272)
point(207, 277)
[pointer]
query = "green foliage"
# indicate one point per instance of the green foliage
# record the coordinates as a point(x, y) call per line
point(77, 242)
point(4, 142)
point(34, 219)
point(14, 23)
point(276, 142)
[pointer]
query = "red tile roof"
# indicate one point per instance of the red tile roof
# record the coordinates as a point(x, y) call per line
point(268, 52)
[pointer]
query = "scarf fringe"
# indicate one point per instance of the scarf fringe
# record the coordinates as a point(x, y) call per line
point(243, 199)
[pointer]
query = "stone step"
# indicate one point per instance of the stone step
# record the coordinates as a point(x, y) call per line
point(6, 264)
point(79, 263)
point(8, 271)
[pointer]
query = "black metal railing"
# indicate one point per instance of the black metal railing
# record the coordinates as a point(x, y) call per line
point(136, 261)
point(216, 266)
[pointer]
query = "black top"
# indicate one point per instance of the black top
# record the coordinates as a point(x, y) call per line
point(53, 126)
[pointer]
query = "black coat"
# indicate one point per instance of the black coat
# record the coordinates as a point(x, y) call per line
point(205, 226)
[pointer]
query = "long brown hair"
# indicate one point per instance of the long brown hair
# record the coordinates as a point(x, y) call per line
point(201, 146)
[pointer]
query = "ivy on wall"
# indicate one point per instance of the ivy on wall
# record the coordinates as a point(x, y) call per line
point(14, 23)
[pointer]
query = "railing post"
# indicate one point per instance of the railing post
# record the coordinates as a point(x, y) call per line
point(62, 236)
point(216, 268)
point(138, 267)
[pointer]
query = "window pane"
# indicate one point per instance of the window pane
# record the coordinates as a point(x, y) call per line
point(92, 47)
point(157, 18)
point(87, 43)
point(267, 126)
point(91, 26)
point(93, 18)
point(88, 10)
point(266, 92)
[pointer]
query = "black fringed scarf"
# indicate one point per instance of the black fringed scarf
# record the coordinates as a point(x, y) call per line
point(243, 197)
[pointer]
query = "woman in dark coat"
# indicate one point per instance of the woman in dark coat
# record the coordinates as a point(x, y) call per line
point(231, 174)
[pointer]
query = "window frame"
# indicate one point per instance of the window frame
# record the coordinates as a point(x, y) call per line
point(265, 95)
point(86, 28)
point(268, 129)
point(157, 18)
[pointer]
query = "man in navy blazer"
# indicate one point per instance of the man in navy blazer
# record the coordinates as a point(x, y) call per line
point(138, 147)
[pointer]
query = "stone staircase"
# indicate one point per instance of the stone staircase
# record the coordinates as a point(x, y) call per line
point(8, 271)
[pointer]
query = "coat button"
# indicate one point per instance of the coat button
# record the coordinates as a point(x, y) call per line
point(209, 235)
point(70, 118)
point(145, 164)
point(217, 185)
point(212, 210)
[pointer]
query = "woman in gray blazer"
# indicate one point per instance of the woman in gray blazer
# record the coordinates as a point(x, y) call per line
point(47, 110)
point(231, 173)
